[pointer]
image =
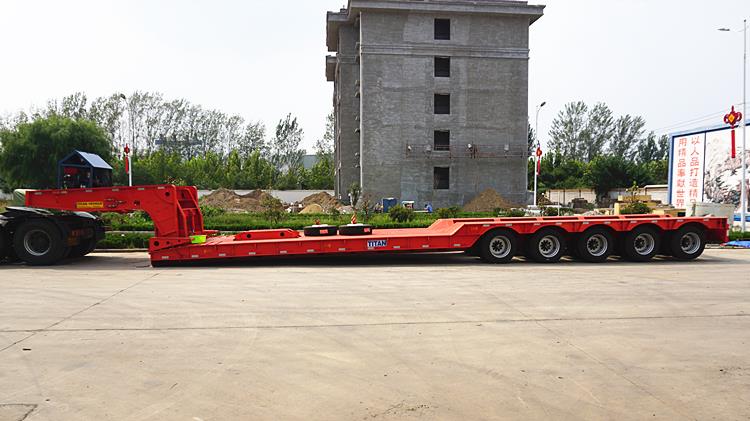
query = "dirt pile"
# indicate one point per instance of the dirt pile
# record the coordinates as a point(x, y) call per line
point(233, 202)
point(488, 201)
point(312, 209)
point(323, 199)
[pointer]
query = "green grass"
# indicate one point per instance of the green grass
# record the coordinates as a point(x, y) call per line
point(3, 205)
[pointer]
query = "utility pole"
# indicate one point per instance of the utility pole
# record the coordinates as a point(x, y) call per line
point(536, 158)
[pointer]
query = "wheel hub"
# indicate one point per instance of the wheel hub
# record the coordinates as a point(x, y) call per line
point(500, 247)
point(549, 246)
point(690, 243)
point(644, 244)
point(37, 243)
point(597, 245)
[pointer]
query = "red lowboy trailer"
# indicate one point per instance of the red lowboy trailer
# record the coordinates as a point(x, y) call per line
point(181, 237)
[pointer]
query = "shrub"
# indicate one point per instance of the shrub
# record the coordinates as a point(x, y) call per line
point(635, 208)
point(513, 213)
point(211, 211)
point(273, 209)
point(399, 213)
point(448, 213)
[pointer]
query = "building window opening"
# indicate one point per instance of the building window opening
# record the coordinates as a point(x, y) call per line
point(442, 67)
point(442, 140)
point(442, 104)
point(442, 178)
point(443, 29)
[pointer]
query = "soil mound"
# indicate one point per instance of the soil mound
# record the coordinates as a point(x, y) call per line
point(488, 201)
point(311, 209)
point(323, 199)
point(231, 201)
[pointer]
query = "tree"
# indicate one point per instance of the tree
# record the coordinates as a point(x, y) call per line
point(570, 131)
point(253, 140)
point(31, 151)
point(600, 129)
point(321, 174)
point(285, 152)
point(627, 135)
point(324, 146)
point(612, 171)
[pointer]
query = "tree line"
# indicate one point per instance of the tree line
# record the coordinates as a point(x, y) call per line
point(172, 141)
point(590, 147)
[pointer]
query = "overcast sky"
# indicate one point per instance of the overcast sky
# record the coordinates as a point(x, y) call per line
point(662, 59)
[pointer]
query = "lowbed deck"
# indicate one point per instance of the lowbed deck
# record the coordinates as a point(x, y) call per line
point(443, 235)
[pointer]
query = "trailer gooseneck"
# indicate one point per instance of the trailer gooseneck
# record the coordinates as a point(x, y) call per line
point(41, 237)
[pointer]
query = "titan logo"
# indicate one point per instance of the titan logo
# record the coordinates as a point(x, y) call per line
point(371, 244)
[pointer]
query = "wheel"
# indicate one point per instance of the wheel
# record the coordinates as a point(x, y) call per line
point(641, 244)
point(595, 245)
point(320, 230)
point(498, 246)
point(688, 242)
point(4, 245)
point(86, 247)
point(355, 229)
point(39, 242)
point(546, 246)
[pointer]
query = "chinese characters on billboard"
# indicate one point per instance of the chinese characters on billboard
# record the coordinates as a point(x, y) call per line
point(687, 170)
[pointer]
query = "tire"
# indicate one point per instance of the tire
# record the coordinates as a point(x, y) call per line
point(358, 229)
point(320, 230)
point(39, 243)
point(687, 243)
point(641, 244)
point(498, 246)
point(4, 245)
point(546, 246)
point(86, 247)
point(595, 245)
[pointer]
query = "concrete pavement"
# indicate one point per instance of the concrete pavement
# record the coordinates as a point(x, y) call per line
point(406, 337)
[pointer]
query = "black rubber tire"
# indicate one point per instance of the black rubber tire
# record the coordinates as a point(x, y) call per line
point(320, 230)
point(4, 245)
point(681, 235)
point(56, 251)
point(630, 250)
point(602, 237)
point(545, 235)
point(86, 247)
point(505, 249)
point(355, 229)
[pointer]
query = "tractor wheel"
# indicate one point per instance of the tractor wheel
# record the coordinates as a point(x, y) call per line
point(86, 247)
point(39, 243)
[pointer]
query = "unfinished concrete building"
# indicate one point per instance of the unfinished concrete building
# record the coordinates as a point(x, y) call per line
point(431, 98)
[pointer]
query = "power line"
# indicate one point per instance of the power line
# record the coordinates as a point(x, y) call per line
point(694, 120)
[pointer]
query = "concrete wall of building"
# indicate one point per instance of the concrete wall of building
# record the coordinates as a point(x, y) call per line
point(488, 88)
point(346, 144)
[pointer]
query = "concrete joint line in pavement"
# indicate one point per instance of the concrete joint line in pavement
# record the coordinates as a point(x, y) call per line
point(64, 319)
point(349, 325)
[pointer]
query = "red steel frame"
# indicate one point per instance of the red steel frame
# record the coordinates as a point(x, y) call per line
point(177, 218)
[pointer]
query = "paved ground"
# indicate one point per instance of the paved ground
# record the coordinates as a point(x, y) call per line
point(109, 338)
